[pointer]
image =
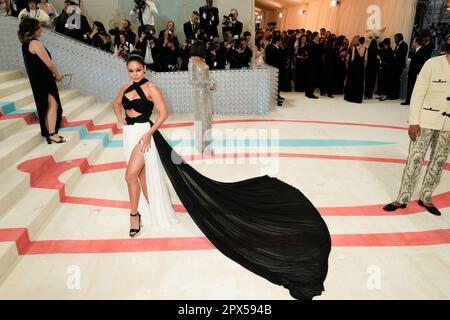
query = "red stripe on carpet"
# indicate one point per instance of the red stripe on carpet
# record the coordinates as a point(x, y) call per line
point(423, 238)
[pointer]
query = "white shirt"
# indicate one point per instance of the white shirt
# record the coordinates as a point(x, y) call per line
point(38, 14)
point(148, 16)
point(148, 55)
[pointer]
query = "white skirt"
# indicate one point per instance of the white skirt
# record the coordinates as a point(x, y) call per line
point(158, 213)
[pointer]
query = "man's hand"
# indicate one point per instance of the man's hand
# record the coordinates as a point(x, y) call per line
point(414, 132)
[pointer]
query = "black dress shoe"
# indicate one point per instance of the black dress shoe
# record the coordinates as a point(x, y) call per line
point(391, 207)
point(313, 97)
point(330, 96)
point(431, 209)
point(404, 103)
point(280, 104)
point(281, 98)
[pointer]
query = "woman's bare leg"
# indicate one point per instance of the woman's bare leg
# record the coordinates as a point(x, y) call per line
point(51, 114)
point(134, 168)
point(143, 181)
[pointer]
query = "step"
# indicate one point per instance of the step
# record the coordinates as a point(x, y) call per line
point(20, 99)
point(33, 209)
point(64, 95)
point(16, 146)
point(10, 87)
point(19, 181)
point(94, 113)
point(8, 75)
point(85, 149)
point(7, 127)
point(77, 105)
point(8, 257)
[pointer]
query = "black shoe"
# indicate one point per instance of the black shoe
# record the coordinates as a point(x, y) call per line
point(404, 103)
point(330, 96)
point(313, 97)
point(135, 232)
point(280, 104)
point(281, 98)
point(391, 207)
point(50, 141)
point(431, 209)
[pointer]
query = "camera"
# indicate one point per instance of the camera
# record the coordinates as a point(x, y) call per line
point(227, 19)
point(140, 3)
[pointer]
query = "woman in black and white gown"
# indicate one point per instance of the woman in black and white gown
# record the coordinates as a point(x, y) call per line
point(262, 223)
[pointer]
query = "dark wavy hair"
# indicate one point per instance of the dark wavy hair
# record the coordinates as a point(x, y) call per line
point(27, 29)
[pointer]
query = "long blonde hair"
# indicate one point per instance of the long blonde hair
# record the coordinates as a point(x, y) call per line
point(355, 41)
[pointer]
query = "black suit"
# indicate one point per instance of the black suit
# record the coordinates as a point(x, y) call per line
point(417, 61)
point(313, 66)
point(142, 48)
point(190, 30)
point(276, 59)
point(235, 29)
point(206, 22)
point(428, 48)
point(399, 64)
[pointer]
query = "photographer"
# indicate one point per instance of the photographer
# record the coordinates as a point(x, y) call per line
point(75, 24)
point(209, 19)
point(222, 52)
point(124, 29)
point(98, 37)
point(231, 24)
point(148, 48)
point(33, 11)
point(212, 50)
point(16, 6)
point(192, 27)
point(239, 56)
point(170, 48)
point(146, 11)
point(124, 48)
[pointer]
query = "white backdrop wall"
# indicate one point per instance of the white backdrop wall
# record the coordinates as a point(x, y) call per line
point(349, 18)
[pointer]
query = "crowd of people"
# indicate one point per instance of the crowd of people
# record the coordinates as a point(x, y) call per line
point(307, 60)
point(161, 51)
point(356, 68)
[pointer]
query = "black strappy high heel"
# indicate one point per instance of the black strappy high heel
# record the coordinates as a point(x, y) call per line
point(50, 141)
point(135, 232)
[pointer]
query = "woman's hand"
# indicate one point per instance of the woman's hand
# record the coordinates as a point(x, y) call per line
point(59, 77)
point(122, 120)
point(145, 142)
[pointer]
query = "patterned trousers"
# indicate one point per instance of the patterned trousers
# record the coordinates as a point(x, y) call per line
point(440, 147)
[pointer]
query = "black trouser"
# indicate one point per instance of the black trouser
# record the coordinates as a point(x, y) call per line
point(312, 80)
point(411, 83)
point(394, 90)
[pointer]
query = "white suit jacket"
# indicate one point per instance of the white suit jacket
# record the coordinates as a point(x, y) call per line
point(148, 16)
point(429, 105)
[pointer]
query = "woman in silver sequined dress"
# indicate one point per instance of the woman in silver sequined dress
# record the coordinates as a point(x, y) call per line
point(203, 86)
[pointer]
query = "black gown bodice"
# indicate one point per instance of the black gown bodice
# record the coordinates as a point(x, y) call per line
point(141, 105)
point(43, 84)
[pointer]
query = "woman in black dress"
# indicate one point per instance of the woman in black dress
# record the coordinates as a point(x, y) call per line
point(262, 223)
point(354, 89)
point(328, 72)
point(42, 73)
point(341, 65)
point(371, 69)
point(301, 61)
point(386, 66)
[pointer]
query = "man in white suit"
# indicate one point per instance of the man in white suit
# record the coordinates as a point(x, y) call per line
point(429, 121)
